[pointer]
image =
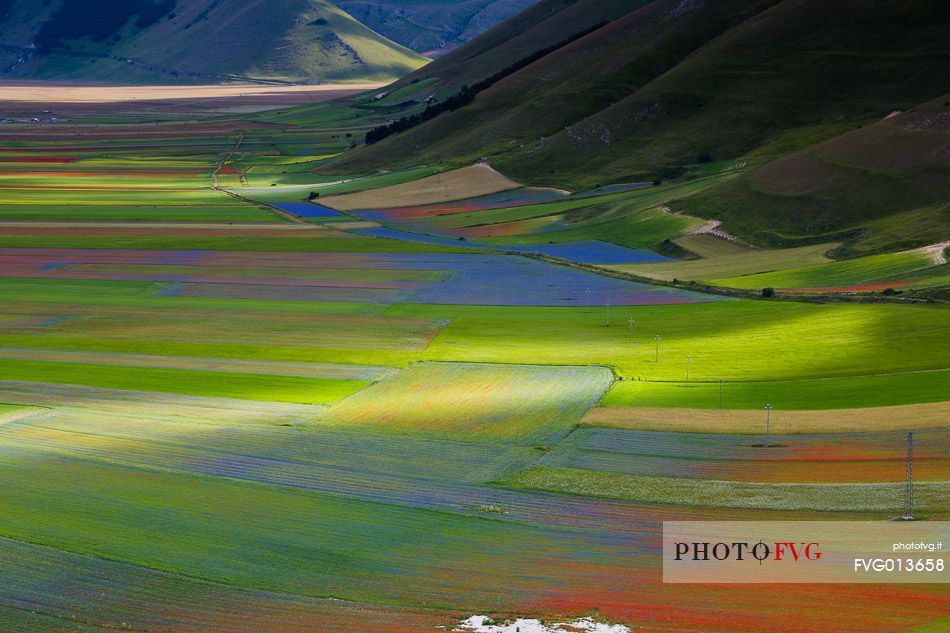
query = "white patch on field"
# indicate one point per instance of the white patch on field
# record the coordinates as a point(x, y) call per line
point(480, 624)
point(936, 252)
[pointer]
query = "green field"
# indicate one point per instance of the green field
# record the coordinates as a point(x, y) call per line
point(855, 272)
point(931, 497)
point(709, 246)
point(210, 528)
point(193, 383)
point(821, 393)
point(494, 402)
point(733, 340)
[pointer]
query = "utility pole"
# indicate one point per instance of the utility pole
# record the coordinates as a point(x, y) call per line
point(720, 393)
point(657, 339)
point(689, 359)
point(607, 321)
point(909, 485)
point(768, 421)
point(631, 321)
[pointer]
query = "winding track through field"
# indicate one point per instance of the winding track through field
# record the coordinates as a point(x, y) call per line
point(937, 252)
point(228, 192)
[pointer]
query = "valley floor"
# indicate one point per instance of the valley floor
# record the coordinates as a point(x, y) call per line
point(423, 395)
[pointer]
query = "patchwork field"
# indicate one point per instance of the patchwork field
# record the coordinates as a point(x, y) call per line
point(476, 180)
point(237, 395)
point(506, 402)
point(632, 216)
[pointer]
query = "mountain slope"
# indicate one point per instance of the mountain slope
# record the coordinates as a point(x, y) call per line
point(196, 40)
point(539, 26)
point(665, 88)
point(432, 27)
point(882, 186)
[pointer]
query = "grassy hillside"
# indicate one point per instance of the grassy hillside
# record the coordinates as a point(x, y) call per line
point(432, 27)
point(671, 88)
point(883, 185)
point(651, 92)
point(566, 86)
point(201, 41)
point(537, 27)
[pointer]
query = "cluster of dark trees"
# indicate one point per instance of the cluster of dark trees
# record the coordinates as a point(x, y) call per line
point(98, 20)
point(463, 97)
point(467, 93)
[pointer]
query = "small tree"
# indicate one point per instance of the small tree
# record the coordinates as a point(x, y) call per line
point(313, 195)
point(768, 292)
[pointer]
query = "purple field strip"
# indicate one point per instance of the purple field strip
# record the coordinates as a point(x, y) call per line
point(308, 210)
point(514, 281)
point(420, 238)
point(584, 252)
point(284, 293)
point(500, 280)
point(471, 279)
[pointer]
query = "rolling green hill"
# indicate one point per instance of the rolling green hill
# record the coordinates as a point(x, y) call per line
point(665, 89)
point(161, 41)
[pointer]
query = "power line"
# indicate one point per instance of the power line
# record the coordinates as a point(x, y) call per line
point(909, 483)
